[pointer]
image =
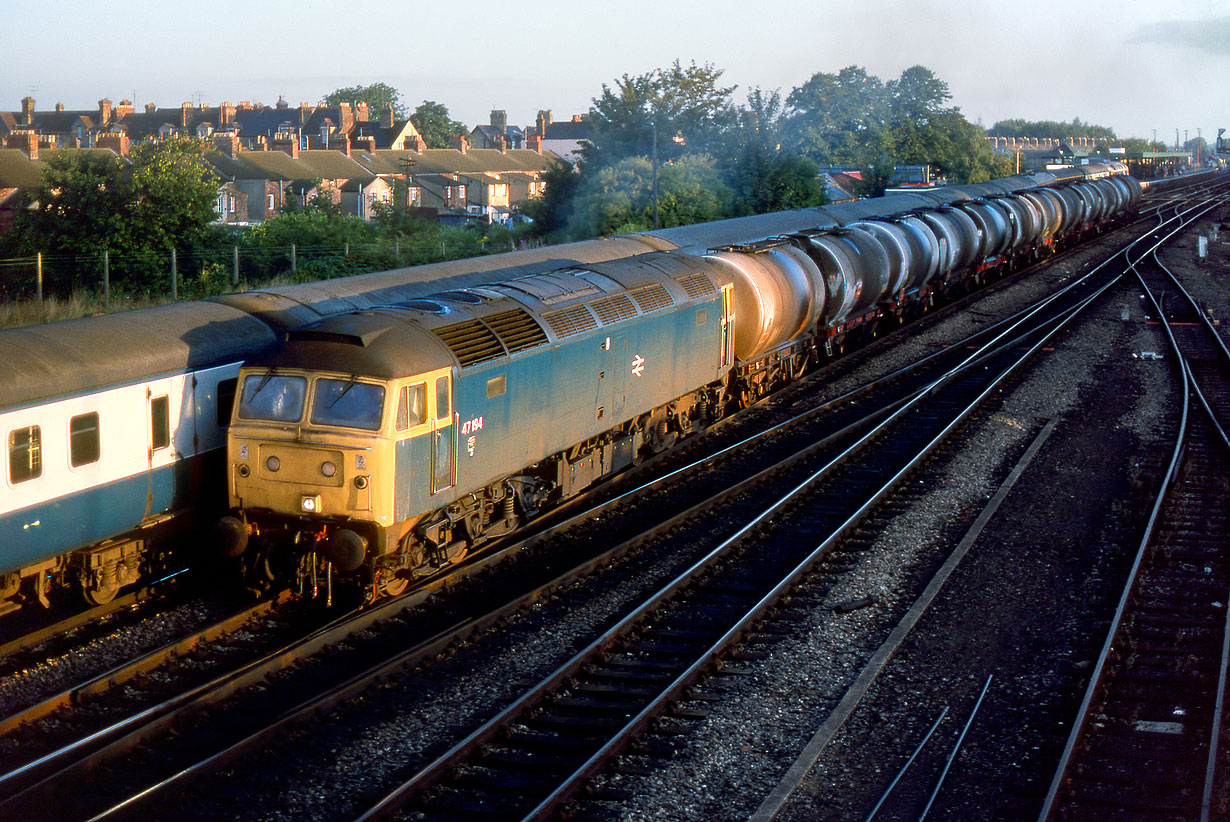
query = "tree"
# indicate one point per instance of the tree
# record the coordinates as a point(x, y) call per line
point(377, 95)
point(88, 203)
point(688, 108)
point(917, 96)
point(839, 118)
point(176, 191)
point(82, 206)
point(1050, 128)
point(762, 175)
point(434, 124)
point(618, 198)
point(552, 210)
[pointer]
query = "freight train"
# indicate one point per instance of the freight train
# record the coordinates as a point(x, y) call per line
point(386, 443)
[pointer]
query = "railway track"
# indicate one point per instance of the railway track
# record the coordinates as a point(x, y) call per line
point(900, 387)
point(538, 752)
point(429, 638)
point(1148, 740)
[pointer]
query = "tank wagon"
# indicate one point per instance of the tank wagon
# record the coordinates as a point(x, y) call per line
point(386, 443)
point(114, 426)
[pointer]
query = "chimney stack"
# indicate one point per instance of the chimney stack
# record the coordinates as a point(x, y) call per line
point(117, 141)
point(122, 110)
point(27, 111)
point(59, 106)
point(185, 114)
point(544, 120)
point(227, 142)
point(459, 143)
point(150, 108)
point(386, 116)
point(361, 112)
point(534, 144)
point(23, 139)
point(226, 114)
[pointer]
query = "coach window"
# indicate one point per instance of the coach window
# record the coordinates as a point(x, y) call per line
point(25, 454)
point(160, 422)
point(412, 406)
point(83, 440)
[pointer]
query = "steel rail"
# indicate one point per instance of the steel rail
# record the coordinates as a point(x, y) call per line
point(434, 771)
point(1099, 669)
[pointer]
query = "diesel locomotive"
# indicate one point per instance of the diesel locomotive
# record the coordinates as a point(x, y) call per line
point(385, 443)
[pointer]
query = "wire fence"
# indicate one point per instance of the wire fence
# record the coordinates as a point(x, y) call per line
point(194, 273)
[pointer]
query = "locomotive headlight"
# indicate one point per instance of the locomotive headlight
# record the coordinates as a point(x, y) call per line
point(360, 482)
point(243, 470)
point(310, 504)
point(273, 463)
point(328, 469)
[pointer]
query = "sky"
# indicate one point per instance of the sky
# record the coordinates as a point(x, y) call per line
point(1139, 67)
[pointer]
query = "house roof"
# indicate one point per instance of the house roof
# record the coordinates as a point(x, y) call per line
point(484, 179)
point(333, 165)
point(448, 160)
point(567, 130)
point(17, 170)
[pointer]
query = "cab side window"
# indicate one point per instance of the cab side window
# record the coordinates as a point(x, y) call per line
point(412, 406)
point(443, 411)
point(25, 454)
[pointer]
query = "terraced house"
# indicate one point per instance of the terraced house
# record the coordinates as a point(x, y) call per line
point(265, 155)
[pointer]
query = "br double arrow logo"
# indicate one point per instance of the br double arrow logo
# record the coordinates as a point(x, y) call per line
point(638, 365)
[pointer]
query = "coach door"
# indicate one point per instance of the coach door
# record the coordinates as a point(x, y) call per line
point(443, 437)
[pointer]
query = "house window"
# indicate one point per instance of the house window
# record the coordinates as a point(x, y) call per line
point(271, 202)
point(83, 440)
point(414, 194)
point(232, 203)
point(25, 454)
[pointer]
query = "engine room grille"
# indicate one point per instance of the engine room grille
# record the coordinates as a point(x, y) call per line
point(569, 321)
point(613, 309)
point(652, 297)
point(516, 329)
point(471, 341)
point(696, 285)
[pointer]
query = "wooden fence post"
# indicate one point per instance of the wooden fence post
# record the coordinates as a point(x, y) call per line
point(174, 278)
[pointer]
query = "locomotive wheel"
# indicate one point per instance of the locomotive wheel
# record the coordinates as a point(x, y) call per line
point(389, 584)
point(99, 596)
